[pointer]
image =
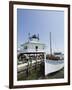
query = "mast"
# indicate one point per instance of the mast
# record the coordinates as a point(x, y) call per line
point(28, 36)
point(50, 44)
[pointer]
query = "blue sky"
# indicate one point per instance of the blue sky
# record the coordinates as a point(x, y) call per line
point(42, 22)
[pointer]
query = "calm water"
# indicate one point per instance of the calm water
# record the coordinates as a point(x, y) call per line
point(35, 75)
point(58, 74)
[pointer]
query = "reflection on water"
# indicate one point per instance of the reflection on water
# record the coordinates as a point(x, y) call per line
point(36, 74)
point(55, 75)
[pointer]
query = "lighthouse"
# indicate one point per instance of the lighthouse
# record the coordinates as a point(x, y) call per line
point(33, 44)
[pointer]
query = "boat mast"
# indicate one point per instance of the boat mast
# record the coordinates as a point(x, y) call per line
point(50, 45)
point(28, 36)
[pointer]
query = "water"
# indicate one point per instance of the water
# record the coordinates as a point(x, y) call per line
point(38, 74)
point(56, 75)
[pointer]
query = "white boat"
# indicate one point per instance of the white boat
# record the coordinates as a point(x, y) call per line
point(53, 66)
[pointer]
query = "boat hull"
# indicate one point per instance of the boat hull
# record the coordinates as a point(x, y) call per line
point(53, 66)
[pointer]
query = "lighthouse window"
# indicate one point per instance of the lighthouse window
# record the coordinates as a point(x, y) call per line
point(25, 47)
point(43, 47)
point(36, 47)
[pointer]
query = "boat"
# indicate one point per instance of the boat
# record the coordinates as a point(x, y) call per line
point(53, 66)
point(54, 62)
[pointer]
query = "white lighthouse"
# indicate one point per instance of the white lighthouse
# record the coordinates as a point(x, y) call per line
point(33, 44)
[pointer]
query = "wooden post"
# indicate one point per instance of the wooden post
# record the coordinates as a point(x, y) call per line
point(28, 67)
